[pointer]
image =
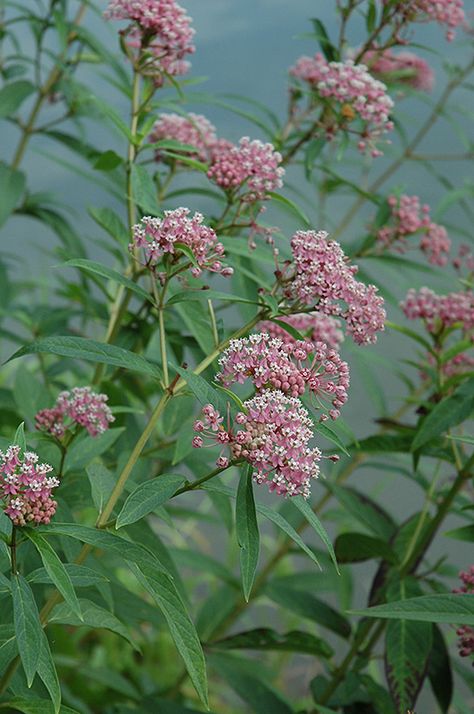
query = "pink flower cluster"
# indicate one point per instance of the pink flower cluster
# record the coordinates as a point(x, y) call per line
point(357, 92)
point(163, 236)
point(193, 129)
point(440, 311)
point(466, 633)
point(273, 436)
point(321, 275)
point(444, 12)
point(251, 165)
point(314, 326)
point(408, 216)
point(162, 30)
point(464, 260)
point(80, 406)
point(403, 68)
point(291, 368)
point(26, 487)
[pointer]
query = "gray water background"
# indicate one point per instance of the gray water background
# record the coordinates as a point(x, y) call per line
point(246, 47)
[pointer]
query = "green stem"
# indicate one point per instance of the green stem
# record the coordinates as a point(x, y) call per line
point(13, 550)
point(43, 91)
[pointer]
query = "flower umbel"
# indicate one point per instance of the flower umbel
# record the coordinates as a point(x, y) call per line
point(162, 236)
point(26, 487)
point(273, 436)
point(193, 129)
point(80, 406)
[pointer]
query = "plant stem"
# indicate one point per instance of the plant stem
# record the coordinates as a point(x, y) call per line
point(13, 550)
point(44, 90)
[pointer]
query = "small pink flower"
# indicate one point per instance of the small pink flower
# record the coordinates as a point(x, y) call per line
point(251, 166)
point(440, 311)
point(321, 275)
point(466, 633)
point(193, 129)
point(161, 33)
point(357, 94)
point(160, 236)
point(274, 438)
point(81, 406)
point(314, 326)
point(25, 487)
point(402, 68)
point(444, 12)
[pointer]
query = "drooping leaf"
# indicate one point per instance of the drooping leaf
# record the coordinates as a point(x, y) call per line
point(439, 671)
point(455, 609)
point(48, 674)
point(316, 524)
point(13, 95)
point(92, 616)
point(357, 547)
point(12, 186)
point(90, 350)
point(447, 413)
point(28, 628)
point(102, 483)
point(248, 536)
point(365, 510)
point(266, 639)
point(91, 266)
point(55, 569)
point(148, 496)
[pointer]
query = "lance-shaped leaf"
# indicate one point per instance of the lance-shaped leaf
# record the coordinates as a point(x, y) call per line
point(47, 673)
point(357, 547)
point(148, 496)
point(28, 630)
point(34, 706)
point(445, 414)
point(92, 616)
point(454, 609)
point(90, 350)
point(316, 524)
point(266, 639)
point(439, 671)
point(248, 535)
point(91, 266)
point(407, 649)
point(56, 570)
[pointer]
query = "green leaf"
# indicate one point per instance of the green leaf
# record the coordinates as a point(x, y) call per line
point(102, 483)
point(19, 439)
point(148, 496)
point(266, 639)
point(187, 160)
point(439, 671)
point(305, 604)
point(371, 17)
point(90, 266)
point(198, 295)
point(144, 190)
point(87, 448)
point(409, 333)
point(330, 435)
point(203, 391)
point(365, 510)
point(327, 48)
point(35, 706)
point(111, 223)
point(357, 547)
point(272, 515)
point(90, 350)
point(447, 413)
point(13, 95)
point(55, 569)
point(80, 575)
point(248, 536)
point(291, 207)
point(304, 508)
point(47, 673)
point(12, 186)
point(92, 616)
point(107, 161)
point(28, 628)
point(454, 609)
point(465, 533)
point(407, 648)
point(242, 677)
point(184, 634)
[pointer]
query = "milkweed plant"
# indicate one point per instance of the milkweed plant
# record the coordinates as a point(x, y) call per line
point(236, 458)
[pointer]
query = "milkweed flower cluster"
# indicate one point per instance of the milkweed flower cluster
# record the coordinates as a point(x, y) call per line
point(289, 367)
point(273, 436)
point(161, 32)
point(465, 632)
point(26, 487)
point(409, 217)
point(159, 237)
point(193, 129)
point(358, 94)
point(444, 12)
point(314, 326)
point(440, 311)
point(253, 166)
point(402, 68)
point(80, 406)
point(321, 275)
